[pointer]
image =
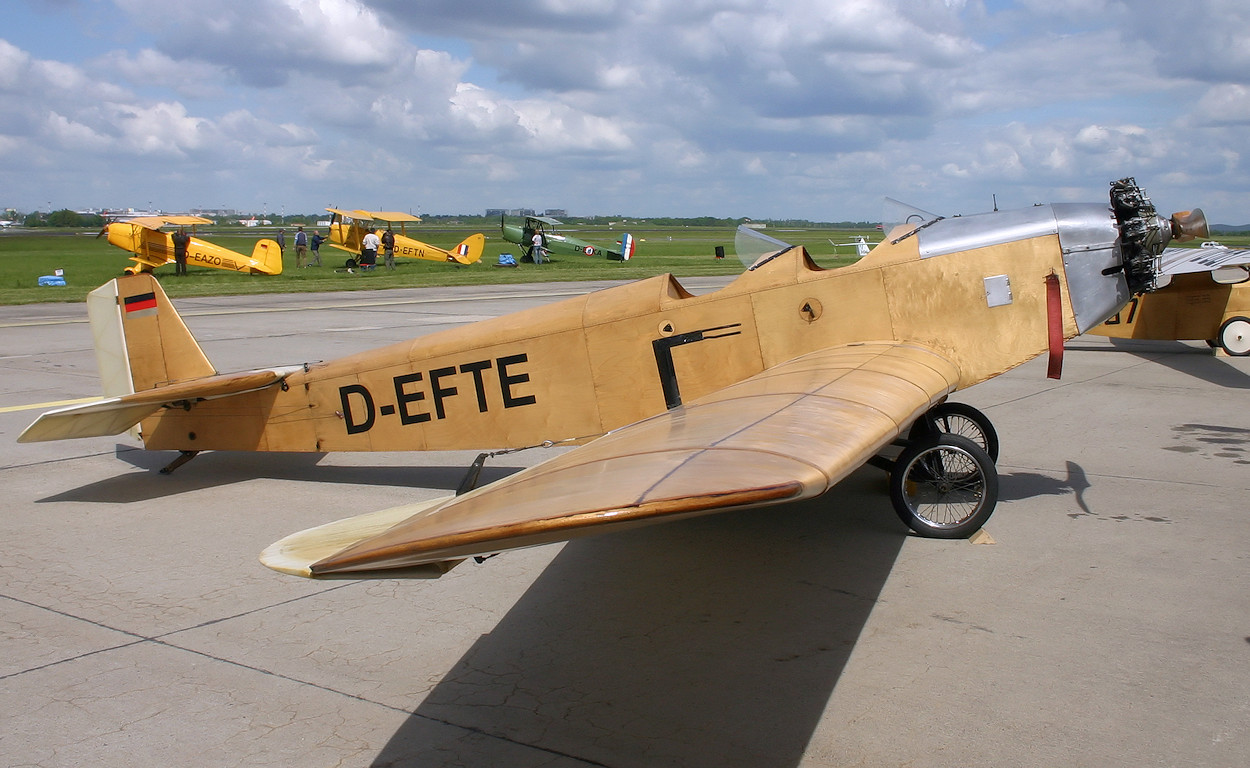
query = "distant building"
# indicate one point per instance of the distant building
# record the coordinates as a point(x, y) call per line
point(211, 212)
point(510, 212)
point(555, 213)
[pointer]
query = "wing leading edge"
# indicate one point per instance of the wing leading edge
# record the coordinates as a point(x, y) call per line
point(788, 433)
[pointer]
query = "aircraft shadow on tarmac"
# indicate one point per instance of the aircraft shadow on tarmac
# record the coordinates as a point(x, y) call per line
point(1196, 361)
point(715, 641)
point(219, 468)
point(1026, 485)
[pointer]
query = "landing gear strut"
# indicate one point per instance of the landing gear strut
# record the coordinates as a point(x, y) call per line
point(183, 458)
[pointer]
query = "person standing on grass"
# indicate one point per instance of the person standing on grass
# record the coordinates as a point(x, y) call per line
point(181, 241)
point(301, 246)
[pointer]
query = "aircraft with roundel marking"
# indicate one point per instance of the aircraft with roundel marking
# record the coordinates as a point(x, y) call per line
point(348, 230)
point(559, 243)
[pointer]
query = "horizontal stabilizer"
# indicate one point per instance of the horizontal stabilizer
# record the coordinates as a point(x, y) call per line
point(114, 415)
point(296, 553)
point(110, 416)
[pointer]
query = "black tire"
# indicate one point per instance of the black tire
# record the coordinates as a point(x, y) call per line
point(1234, 336)
point(944, 486)
point(350, 264)
point(958, 419)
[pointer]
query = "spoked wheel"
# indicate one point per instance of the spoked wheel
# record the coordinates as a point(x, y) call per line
point(1234, 336)
point(944, 486)
point(958, 419)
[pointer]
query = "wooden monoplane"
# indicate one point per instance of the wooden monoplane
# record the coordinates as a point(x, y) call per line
point(769, 390)
point(348, 230)
point(152, 248)
point(1204, 296)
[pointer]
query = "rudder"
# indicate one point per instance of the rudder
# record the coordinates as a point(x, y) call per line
point(469, 250)
point(269, 255)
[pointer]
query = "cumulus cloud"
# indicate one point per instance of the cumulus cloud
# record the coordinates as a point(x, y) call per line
point(757, 107)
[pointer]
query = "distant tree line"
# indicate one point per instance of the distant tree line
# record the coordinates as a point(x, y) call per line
point(62, 218)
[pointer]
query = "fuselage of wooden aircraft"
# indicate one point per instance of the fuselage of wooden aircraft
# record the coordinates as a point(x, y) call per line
point(773, 388)
point(151, 248)
point(581, 367)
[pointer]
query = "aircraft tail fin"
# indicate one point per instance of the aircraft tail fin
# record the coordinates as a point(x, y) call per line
point(628, 244)
point(469, 250)
point(140, 340)
point(269, 254)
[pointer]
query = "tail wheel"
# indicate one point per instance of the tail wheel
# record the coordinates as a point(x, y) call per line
point(1234, 337)
point(944, 486)
point(958, 419)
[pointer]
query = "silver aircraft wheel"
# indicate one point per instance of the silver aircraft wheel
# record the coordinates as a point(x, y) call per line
point(1235, 336)
point(959, 419)
point(944, 486)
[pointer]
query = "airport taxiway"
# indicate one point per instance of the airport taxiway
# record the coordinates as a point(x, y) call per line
point(1105, 621)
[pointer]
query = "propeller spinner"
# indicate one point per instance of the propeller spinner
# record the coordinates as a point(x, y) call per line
point(1189, 225)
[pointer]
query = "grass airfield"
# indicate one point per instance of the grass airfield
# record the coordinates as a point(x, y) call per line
point(88, 262)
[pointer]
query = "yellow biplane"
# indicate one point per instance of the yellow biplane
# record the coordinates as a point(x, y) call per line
point(152, 248)
point(1206, 298)
point(772, 389)
point(348, 230)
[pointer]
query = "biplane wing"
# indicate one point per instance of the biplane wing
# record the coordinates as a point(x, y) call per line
point(350, 237)
point(391, 216)
point(358, 215)
point(1206, 258)
point(151, 248)
point(387, 216)
point(788, 433)
point(156, 222)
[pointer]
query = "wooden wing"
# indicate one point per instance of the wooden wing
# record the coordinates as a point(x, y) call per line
point(788, 433)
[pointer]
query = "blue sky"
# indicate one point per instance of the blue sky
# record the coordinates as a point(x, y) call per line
point(810, 109)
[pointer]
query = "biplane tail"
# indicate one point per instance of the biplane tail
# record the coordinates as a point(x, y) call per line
point(469, 250)
point(628, 244)
point(269, 255)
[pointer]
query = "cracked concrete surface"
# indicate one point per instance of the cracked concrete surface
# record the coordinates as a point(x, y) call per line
point(1106, 624)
